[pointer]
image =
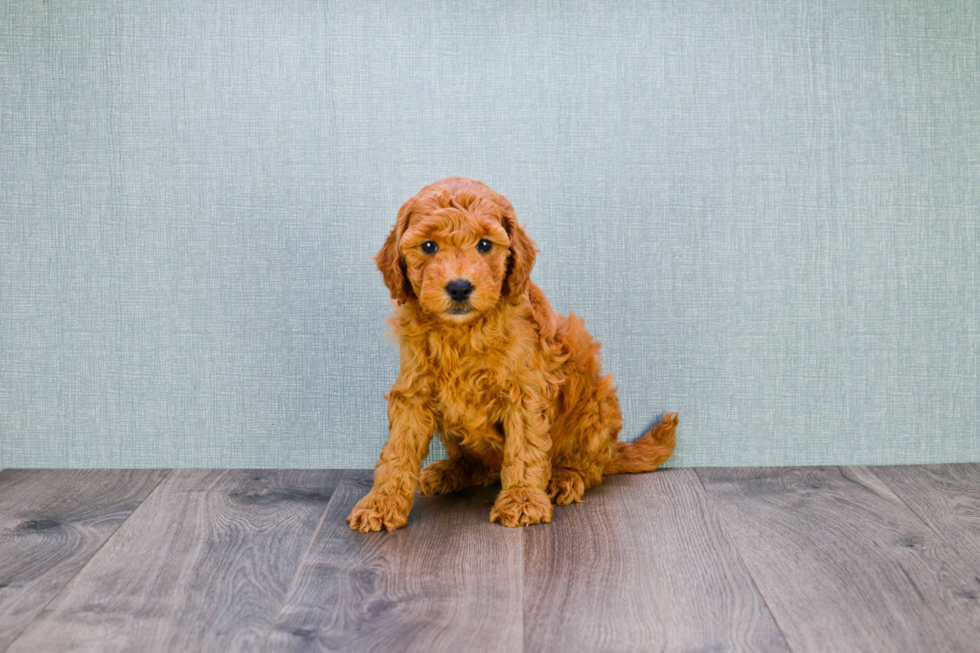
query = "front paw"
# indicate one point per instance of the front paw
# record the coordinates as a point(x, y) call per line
point(521, 506)
point(378, 510)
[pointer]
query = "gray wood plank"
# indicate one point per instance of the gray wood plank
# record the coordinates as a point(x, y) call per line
point(643, 564)
point(843, 564)
point(449, 581)
point(947, 498)
point(51, 523)
point(202, 565)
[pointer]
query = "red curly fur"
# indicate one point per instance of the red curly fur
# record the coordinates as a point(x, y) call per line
point(514, 390)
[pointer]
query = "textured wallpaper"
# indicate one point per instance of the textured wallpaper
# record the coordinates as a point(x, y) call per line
point(767, 211)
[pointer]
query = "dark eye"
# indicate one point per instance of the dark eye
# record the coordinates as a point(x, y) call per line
point(484, 246)
point(430, 247)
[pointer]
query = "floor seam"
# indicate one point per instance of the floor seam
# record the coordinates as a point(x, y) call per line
point(302, 561)
point(523, 591)
point(745, 566)
point(87, 562)
point(911, 509)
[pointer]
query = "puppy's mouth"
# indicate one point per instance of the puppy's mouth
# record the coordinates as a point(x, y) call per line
point(458, 308)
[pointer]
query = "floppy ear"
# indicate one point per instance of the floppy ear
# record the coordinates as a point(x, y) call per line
point(522, 255)
point(389, 259)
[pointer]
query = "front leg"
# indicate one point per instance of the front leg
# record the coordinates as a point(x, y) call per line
point(526, 469)
point(396, 474)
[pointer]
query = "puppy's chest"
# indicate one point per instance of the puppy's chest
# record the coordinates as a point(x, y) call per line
point(471, 391)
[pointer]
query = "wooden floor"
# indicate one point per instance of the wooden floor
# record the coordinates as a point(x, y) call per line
point(771, 559)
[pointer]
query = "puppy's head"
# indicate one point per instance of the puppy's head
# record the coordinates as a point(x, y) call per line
point(457, 250)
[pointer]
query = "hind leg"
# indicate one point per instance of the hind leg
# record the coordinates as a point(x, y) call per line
point(465, 468)
point(566, 486)
point(445, 476)
point(584, 444)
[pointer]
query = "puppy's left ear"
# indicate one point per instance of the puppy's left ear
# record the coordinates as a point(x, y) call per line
point(389, 259)
point(522, 255)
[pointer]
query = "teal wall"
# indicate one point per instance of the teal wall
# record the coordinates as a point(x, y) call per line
point(768, 212)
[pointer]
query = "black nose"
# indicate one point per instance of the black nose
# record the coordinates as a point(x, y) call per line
point(459, 289)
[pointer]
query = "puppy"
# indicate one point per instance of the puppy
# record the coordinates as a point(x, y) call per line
point(514, 390)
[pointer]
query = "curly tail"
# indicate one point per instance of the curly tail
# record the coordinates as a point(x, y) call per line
point(649, 452)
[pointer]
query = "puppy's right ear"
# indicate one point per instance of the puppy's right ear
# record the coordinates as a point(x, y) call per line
point(389, 259)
